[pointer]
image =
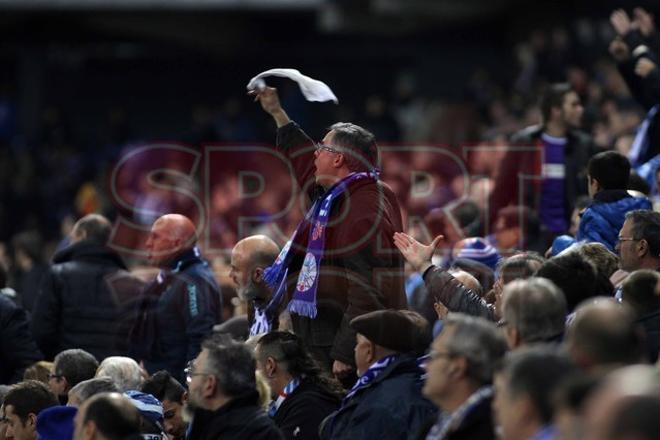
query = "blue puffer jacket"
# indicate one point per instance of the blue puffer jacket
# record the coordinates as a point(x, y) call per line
point(603, 219)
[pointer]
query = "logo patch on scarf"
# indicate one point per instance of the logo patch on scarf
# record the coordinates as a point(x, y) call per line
point(308, 273)
point(318, 230)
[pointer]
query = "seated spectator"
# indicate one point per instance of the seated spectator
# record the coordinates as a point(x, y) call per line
point(625, 406)
point(459, 377)
point(17, 347)
point(302, 393)
point(22, 405)
point(477, 249)
point(86, 297)
point(69, 369)
point(90, 387)
point(604, 260)
point(639, 241)
point(107, 416)
point(56, 422)
point(603, 336)
point(151, 414)
point(517, 266)
point(484, 274)
point(173, 397)
point(534, 310)
point(222, 394)
point(641, 291)
point(576, 277)
point(39, 371)
point(524, 387)
point(124, 371)
point(608, 174)
point(386, 401)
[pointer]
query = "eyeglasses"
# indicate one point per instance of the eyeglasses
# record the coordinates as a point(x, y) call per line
point(189, 371)
point(628, 239)
point(439, 354)
point(331, 149)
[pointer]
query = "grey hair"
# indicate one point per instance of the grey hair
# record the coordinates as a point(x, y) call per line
point(87, 388)
point(232, 363)
point(124, 371)
point(479, 342)
point(536, 308)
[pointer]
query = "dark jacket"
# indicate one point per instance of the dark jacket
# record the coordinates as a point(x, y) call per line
point(242, 418)
point(87, 300)
point(603, 219)
point(177, 312)
point(391, 407)
point(444, 288)
point(478, 424)
point(506, 191)
point(303, 411)
point(651, 325)
point(361, 270)
point(17, 347)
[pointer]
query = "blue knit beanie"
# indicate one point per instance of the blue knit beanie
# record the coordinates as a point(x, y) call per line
point(56, 423)
point(478, 249)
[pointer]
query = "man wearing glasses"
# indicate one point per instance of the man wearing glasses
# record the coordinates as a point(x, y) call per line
point(341, 261)
point(639, 241)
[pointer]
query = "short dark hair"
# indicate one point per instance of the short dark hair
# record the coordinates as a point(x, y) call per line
point(91, 387)
point(536, 372)
point(75, 365)
point(361, 143)
point(96, 227)
point(114, 415)
point(163, 386)
point(553, 96)
point(611, 169)
point(520, 266)
point(646, 226)
point(639, 290)
point(232, 363)
point(30, 397)
point(289, 349)
point(575, 276)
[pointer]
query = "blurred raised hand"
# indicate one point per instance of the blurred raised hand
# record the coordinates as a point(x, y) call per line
point(416, 253)
point(621, 22)
point(643, 21)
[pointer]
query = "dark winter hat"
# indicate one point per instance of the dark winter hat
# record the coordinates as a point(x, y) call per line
point(56, 423)
point(392, 329)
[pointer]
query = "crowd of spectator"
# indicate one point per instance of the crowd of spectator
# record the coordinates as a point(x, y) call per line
point(429, 318)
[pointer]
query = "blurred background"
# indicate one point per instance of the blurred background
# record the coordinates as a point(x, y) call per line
point(83, 82)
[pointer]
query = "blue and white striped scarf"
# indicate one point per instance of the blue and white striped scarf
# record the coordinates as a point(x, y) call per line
point(370, 375)
point(286, 392)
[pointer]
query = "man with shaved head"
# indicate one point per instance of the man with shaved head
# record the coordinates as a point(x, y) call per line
point(180, 307)
point(249, 258)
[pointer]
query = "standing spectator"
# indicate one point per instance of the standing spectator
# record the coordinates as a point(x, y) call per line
point(180, 307)
point(69, 369)
point(303, 394)
point(335, 254)
point(28, 250)
point(22, 405)
point(173, 396)
point(86, 297)
point(386, 401)
point(563, 150)
point(18, 350)
point(608, 174)
point(222, 394)
point(460, 375)
point(249, 258)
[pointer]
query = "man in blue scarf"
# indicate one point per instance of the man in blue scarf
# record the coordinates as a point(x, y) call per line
point(341, 261)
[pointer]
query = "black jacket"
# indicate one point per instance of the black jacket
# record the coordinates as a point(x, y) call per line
point(17, 348)
point(478, 424)
point(177, 312)
point(87, 300)
point(303, 411)
point(391, 407)
point(242, 418)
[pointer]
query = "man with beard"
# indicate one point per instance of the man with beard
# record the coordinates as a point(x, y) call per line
point(222, 394)
point(249, 258)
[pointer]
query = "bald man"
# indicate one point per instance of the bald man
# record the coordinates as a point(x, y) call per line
point(181, 306)
point(249, 258)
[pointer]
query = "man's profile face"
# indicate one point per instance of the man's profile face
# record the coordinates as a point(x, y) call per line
point(175, 427)
point(438, 383)
point(57, 383)
point(572, 110)
point(160, 247)
point(627, 248)
point(239, 271)
point(323, 161)
point(16, 428)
